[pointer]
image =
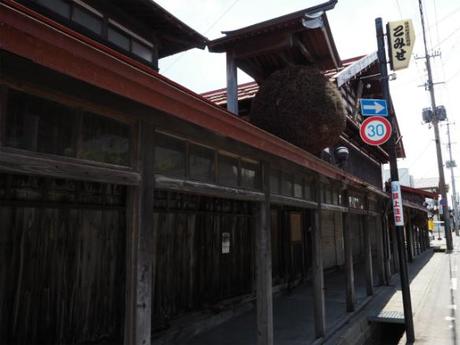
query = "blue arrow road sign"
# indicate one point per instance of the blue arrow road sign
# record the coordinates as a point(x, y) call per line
point(373, 107)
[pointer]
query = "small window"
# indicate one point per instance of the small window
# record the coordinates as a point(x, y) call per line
point(308, 190)
point(201, 163)
point(142, 50)
point(286, 185)
point(169, 156)
point(298, 187)
point(57, 6)
point(118, 38)
point(39, 125)
point(87, 19)
point(228, 171)
point(104, 140)
point(275, 182)
point(249, 174)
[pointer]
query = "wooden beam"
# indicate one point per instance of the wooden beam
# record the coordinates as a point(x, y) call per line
point(303, 50)
point(264, 265)
point(350, 294)
point(31, 163)
point(141, 251)
point(209, 189)
point(232, 84)
point(319, 306)
point(263, 45)
point(289, 201)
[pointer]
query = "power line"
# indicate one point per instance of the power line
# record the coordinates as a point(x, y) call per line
point(205, 32)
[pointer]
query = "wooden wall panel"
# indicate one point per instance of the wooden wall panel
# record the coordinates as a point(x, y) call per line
point(192, 270)
point(62, 269)
point(328, 239)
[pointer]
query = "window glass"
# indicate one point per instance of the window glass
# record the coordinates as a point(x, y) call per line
point(307, 190)
point(228, 171)
point(298, 187)
point(87, 19)
point(249, 175)
point(335, 197)
point(104, 140)
point(118, 38)
point(201, 163)
point(275, 182)
point(327, 194)
point(38, 125)
point(286, 185)
point(142, 50)
point(169, 156)
point(57, 6)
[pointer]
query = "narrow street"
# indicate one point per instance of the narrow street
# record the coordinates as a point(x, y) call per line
point(435, 305)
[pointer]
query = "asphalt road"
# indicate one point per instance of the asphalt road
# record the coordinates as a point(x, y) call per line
point(438, 308)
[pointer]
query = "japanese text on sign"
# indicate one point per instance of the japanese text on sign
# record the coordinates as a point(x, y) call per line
point(401, 39)
point(397, 203)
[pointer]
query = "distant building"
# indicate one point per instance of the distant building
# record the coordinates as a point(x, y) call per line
point(404, 177)
point(430, 184)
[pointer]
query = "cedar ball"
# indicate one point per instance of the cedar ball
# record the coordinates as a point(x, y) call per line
point(300, 105)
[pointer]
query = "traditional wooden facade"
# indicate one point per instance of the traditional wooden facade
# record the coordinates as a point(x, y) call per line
point(127, 200)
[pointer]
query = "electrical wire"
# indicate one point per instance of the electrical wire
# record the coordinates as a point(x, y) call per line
point(228, 9)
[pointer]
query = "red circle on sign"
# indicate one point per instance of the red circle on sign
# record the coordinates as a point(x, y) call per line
point(375, 130)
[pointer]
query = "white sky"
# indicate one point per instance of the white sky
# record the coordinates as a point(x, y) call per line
point(353, 29)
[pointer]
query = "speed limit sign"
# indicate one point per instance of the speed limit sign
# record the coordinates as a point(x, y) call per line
point(375, 130)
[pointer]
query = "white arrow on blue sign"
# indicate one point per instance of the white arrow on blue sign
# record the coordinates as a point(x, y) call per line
point(373, 107)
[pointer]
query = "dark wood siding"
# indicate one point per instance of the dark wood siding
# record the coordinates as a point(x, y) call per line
point(62, 261)
point(193, 272)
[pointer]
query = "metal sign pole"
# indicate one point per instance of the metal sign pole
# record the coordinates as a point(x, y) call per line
point(405, 287)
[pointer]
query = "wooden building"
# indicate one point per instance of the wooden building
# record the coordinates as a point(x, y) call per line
point(127, 200)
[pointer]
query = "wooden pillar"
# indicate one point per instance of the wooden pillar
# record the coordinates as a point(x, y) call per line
point(380, 252)
point(368, 253)
point(140, 243)
point(409, 237)
point(348, 249)
point(232, 84)
point(264, 265)
point(318, 274)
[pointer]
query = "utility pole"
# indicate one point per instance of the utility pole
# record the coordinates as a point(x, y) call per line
point(454, 192)
point(405, 287)
point(442, 182)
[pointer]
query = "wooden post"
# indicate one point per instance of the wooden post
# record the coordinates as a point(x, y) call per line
point(409, 237)
point(264, 265)
point(318, 274)
point(140, 244)
point(368, 252)
point(348, 248)
point(232, 84)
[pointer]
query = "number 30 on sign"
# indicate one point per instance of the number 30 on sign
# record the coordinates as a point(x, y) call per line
point(375, 130)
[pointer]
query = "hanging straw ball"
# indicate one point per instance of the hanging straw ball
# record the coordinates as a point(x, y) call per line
point(300, 105)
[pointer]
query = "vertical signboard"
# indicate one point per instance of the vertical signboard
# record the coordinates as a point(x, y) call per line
point(397, 203)
point(401, 39)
